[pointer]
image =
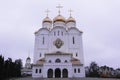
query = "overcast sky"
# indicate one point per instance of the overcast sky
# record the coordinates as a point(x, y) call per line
point(98, 19)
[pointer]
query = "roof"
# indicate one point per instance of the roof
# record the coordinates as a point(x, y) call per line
point(40, 61)
point(41, 29)
point(75, 29)
point(58, 53)
point(37, 64)
point(75, 61)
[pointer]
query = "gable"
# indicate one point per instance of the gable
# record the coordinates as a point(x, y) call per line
point(74, 30)
point(42, 31)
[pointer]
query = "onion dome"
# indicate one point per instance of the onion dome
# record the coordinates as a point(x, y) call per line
point(70, 19)
point(28, 58)
point(47, 19)
point(59, 18)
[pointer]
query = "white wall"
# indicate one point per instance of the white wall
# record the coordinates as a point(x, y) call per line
point(68, 47)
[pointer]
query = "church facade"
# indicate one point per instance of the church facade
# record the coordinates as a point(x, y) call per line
point(58, 50)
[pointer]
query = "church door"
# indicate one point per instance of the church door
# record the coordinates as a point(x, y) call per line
point(50, 73)
point(57, 73)
point(65, 73)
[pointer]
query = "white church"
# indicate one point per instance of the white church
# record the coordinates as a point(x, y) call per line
point(58, 49)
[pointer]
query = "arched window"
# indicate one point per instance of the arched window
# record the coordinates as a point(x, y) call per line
point(65, 61)
point(62, 33)
point(39, 70)
point(36, 71)
point(58, 33)
point(78, 70)
point(57, 60)
point(49, 61)
point(43, 40)
point(54, 33)
point(73, 40)
point(75, 70)
point(40, 54)
point(76, 54)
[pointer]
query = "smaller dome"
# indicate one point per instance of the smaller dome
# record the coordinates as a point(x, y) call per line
point(59, 18)
point(47, 19)
point(28, 58)
point(70, 19)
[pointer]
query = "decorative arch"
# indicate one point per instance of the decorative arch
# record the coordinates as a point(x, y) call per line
point(58, 60)
point(50, 73)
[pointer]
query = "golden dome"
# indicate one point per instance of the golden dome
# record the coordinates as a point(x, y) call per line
point(59, 18)
point(70, 19)
point(47, 19)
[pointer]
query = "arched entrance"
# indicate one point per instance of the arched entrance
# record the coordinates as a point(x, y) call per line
point(57, 73)
point(65, 73)
point(50, 73)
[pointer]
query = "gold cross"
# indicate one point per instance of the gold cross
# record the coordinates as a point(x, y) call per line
point(59, 6)
point(47, 11)
point(70, 12)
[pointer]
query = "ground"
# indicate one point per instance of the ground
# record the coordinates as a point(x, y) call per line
point(30, 78)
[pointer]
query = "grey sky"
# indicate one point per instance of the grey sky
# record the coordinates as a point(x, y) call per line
point(98, 19)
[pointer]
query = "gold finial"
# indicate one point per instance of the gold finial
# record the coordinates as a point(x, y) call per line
point(47, 11)
point(59, 6)
point(70, 12)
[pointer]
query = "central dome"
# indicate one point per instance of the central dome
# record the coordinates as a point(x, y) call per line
point(59, 18)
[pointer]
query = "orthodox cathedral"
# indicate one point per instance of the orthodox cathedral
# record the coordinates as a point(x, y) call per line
point(58, 49)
